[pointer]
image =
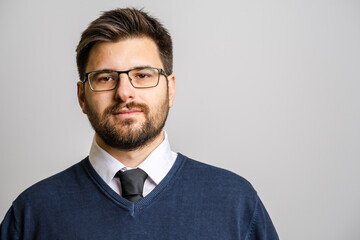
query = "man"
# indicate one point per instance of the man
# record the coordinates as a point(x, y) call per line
point(132, 186)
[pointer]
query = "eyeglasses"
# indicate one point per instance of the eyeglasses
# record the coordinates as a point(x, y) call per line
point(106, 80)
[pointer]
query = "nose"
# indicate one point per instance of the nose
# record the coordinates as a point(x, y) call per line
point(124, 91)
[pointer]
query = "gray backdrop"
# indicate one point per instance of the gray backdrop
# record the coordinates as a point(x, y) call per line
point(268, 89)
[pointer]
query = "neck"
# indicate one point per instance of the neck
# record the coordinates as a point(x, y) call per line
point(134, 157)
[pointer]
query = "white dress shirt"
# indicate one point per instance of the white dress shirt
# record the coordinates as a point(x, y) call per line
point(156, 165)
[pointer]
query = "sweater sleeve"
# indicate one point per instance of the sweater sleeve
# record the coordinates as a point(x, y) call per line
point(261, 226)
point(8, 226)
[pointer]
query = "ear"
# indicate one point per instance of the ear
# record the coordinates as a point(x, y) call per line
point(171, 89)
point(81, 95)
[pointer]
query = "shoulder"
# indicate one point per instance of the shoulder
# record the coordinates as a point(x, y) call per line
point(228, 193)
point(211, 172)
point(215, 178)
point(53, 186)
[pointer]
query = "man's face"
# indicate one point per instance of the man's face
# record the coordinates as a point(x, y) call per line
point(127, 118)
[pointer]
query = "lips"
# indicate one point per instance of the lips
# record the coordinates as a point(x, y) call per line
point(127, 111)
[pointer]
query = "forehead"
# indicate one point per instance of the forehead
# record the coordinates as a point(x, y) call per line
point(124, 55)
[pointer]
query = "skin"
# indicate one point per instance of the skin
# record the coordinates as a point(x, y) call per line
point(121, 56)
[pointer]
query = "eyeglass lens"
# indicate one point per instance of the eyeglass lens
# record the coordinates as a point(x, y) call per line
point(139, 78)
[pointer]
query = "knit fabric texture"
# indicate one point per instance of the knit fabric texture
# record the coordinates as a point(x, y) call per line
point(193, 201)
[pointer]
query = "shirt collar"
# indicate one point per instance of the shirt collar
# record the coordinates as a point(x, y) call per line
point(156, 165)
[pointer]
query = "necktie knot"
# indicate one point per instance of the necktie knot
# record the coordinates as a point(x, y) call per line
point(132, 183)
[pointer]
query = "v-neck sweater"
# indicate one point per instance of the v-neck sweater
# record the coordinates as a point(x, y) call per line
point(193, 201)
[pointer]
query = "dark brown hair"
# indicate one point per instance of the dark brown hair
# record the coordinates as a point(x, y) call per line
point(120, 24)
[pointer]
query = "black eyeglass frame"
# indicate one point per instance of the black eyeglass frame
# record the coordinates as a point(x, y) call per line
point(86, 78)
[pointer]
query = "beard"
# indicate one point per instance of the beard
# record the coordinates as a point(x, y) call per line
point(122, 133)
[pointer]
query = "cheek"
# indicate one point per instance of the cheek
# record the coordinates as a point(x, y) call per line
point(157, 97)
point(98, 102)
point(160, 103)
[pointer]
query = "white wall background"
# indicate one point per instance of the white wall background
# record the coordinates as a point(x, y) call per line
point(268, 89)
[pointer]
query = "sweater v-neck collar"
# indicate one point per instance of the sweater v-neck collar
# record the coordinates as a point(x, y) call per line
point(132, 207)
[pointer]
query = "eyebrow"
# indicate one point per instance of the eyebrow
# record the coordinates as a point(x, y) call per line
point(135, 67)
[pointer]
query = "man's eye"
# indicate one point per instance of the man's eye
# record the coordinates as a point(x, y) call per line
point(105, 79)
point(102, 78)
point(142, 75)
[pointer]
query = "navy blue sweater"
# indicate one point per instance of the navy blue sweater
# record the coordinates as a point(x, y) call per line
point(193, 201)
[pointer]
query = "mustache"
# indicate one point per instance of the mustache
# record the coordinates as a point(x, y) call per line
point(131, 105)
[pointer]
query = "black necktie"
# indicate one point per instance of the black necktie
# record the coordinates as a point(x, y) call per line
point(132, 183)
